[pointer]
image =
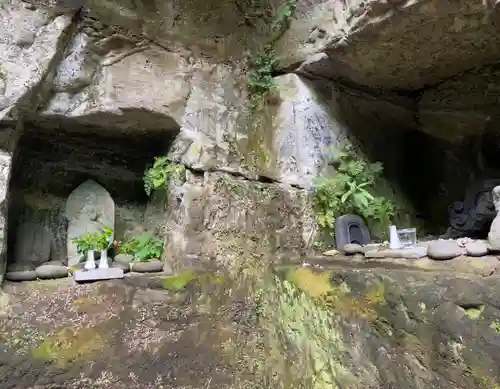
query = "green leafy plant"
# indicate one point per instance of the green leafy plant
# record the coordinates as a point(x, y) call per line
point(350, 189)
point(264, 64)
point(282, 18)
point(96, 241)
point(143, 247)
point(260, 81)
point(160, 174)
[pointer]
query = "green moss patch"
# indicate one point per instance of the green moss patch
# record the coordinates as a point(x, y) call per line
point(473, 313)
point(179, 282)
point(69, 344)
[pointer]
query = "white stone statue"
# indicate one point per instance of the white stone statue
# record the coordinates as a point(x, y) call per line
point(494, 234)
point(89, 208)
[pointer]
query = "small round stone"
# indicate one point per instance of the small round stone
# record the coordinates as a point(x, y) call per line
point(352, 248)
point(20, 266)
point(50, 271)
point(444, 249)
point(153, 266)
point(22, 275)
point(476, 249)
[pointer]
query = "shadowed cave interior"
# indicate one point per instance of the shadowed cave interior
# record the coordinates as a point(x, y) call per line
point(53, 158)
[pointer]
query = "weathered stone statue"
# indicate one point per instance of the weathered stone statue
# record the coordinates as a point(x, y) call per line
point(494, 234)
point(88, 209)
point(34, 244)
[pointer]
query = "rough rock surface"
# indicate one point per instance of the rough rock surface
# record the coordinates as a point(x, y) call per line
point(216, 216)
point(372, 42)
point(108, 335)
point(412, 329)
point(396, 327)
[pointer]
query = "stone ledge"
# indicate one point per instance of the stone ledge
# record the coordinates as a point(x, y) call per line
point(478, 266)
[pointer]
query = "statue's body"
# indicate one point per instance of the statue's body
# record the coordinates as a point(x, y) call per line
point(494, 234)
point(88, 209)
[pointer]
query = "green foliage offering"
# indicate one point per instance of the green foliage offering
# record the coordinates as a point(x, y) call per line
point(350, 189)
point(96, 241)
point(143, 247)
point(159, 175)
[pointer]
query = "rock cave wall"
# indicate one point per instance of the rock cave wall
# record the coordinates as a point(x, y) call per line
point(391, 76)
point(101, 71)
point(100, 65)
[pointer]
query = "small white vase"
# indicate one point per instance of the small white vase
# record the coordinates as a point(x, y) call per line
point(90, 263)
point(394, 242)
point(103, 262)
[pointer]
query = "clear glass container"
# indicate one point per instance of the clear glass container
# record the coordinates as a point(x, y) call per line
point(407, 237)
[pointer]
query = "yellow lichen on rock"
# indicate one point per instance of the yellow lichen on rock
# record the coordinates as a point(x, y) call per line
point(69, 344)
point(314, 284)
point(317, 284)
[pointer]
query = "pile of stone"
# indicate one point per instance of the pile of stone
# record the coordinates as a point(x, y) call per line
point(25, 271)
point(439, 250)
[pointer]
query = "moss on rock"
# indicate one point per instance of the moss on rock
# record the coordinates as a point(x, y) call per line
point(179, 282)
point(317, 284)
point(69, 344)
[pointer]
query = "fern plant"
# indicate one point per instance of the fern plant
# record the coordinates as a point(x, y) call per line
point(143, 247)
point(351, 190)
point(159, 175)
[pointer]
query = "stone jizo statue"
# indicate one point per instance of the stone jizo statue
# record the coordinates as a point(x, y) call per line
point(494, 234)
point(88, 209)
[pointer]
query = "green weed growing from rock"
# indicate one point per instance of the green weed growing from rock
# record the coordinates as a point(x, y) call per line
point(350, 188)
point(263, 65)
point(159, 175)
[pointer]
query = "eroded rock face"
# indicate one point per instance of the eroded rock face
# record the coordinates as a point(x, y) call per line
point(215, 217)
point(411, 330)
point(392, 328)
point(129, 83)
point(372, 43)
point(96, 323)
point(116, 69)
point(30, 41)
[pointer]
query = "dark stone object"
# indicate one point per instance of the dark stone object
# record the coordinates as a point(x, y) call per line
point(351, 229)
point(473, 216)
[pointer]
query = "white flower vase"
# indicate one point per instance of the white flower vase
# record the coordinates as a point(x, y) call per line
point(90, 263)
point(103, 262)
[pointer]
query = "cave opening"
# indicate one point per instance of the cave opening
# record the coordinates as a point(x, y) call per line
point(53, 159)
point(448, 183)
point(440, 153)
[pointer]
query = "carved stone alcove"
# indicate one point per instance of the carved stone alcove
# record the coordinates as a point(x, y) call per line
point(55, 157)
